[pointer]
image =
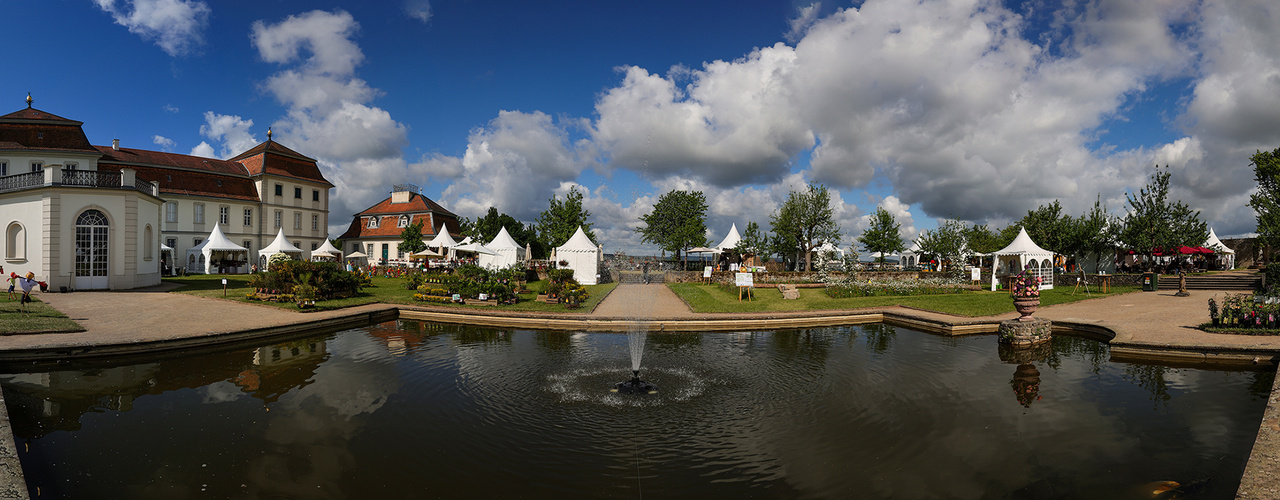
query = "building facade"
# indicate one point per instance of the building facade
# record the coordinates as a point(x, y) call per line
point(94, 217)
point(375, 231)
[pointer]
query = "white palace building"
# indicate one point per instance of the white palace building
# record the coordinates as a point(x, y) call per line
point(95, 217)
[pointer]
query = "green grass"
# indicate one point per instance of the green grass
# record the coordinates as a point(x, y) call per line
point(711, 298)
point(38, 318)
point(384, 290)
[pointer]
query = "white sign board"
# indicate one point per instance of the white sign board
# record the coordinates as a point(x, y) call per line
point(977, 273)
point(744, 279)
point(224, 281)
point(706, 272)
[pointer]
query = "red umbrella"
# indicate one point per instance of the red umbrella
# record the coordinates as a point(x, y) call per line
point(1204, 250)
point(1186, 250)
point(1157, 251)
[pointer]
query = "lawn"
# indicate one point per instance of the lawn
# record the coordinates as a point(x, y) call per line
point(39, 318)
point(712, 298)
point(384, 290)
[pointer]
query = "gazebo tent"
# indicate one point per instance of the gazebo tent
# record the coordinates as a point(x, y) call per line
point(1224, 253)
point(730, 240)
point(1020, 254)
point(911, 257)
point(279, 245)
point(828, 247)
point(200, 258)
point(582, 255)
point(507, 252)
point(326, 251)
point(443, 241)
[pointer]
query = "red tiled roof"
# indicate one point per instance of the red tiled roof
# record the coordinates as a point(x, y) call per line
point(416, 203)
point(162, 159)
point(35, 114)
point(192, 183)
point(32, 129)
point(419, 208)
point(272, 158)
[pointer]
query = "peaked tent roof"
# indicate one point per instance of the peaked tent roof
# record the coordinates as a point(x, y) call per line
point(475, 247)
point(578, 242)
point(442, 239)
point(1216, 244)
point(218, 241)
point(503, 240)
point(280, 244)
point(326, 249)
point(1022, 244)
point(730, 240)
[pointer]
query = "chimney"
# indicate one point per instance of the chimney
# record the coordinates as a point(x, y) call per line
point(115, 144)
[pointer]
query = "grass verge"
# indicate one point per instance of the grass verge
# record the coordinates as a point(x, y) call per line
point(38, 318)
point(711, 298)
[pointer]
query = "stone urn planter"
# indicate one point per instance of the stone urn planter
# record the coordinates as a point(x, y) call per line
point(1026, 306)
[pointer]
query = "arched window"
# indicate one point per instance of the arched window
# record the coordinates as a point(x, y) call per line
point(148, 252)
point(15, 242)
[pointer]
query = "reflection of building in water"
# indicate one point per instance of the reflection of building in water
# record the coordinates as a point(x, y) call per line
point(403, 337)
point(279, 368)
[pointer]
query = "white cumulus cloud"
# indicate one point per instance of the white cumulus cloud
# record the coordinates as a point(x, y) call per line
point(175, 25)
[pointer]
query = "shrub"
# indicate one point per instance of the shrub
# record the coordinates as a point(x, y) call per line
point(276, 258)
point(1271, 279)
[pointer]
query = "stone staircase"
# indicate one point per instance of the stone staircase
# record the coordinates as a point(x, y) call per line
point(1237, 281)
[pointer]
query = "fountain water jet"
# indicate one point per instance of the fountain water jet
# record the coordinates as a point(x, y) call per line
point(635, 343)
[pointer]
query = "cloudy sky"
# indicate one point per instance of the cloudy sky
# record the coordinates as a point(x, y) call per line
point(979, 110)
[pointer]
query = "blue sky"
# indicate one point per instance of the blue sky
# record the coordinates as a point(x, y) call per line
point(973, 109)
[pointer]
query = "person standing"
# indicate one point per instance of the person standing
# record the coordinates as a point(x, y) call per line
point(13, 280)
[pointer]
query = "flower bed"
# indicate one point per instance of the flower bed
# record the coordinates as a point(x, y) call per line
point(1245, 313)
point(845, 288)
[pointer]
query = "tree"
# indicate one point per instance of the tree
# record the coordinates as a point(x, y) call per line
point(561, 218)
point(1094, 233)
point(753, 242)
point(884, 236)
point(807, 218)
point(677, 223)
point(484, 229)
point(1266, 202)
point(947, 241)
point(981, 239)
point(1155, 222)
point(1048, 227)
point(411, 238)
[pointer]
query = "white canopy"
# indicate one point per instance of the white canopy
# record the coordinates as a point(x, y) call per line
point(582, 255)
point(326, 250)
point(356, 255)
point(279, 245)
point(506, 252)
point(730, 240)
point(1224, 252)
point(1020, 254)
point(442, 240)
point(475, 248)
point(828, 247)
point(200, 257)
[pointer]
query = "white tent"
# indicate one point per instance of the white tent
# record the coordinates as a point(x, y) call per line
point(582, 255)
point(200, 258)
point(1021, 254)
point(1226, 256)
point(828, 247)
point(475, 248)
point(730, 240)
point(443, 241)
point(506, 252)
point(278, 245)
point(911, 257)
point(326, 250)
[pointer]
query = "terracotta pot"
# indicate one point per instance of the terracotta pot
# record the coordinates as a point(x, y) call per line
point(1026, 307)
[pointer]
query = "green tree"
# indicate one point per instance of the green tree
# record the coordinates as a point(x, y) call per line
point(561, 218)
point(1153, 221)
point(884, 236)
point(677, 223)
point(754, 242)
point(484, 229)
point(1094, 233)
point(947, 241)
point(411, 238)
point(1048, 227)
point(808, 219)
point(981, 239)
point(1266, 202)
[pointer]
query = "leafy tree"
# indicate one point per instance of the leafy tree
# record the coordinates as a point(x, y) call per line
point(561, 218)
point(753, 242)
point(884, 235)
point(1266, 202)
point(677, 223)
point(947, 241)
point(981, 239)
point(1155, 222)
point(808, 218)
point(411, 238)
point(486, 228)
point(1094, 233)
point(1048, 227)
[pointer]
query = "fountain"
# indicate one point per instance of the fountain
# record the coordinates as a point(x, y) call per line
point(635, 343)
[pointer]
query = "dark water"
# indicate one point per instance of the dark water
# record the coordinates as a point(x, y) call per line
point(413, 410)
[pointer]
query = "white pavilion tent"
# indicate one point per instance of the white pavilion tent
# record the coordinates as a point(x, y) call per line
point(200, 258)
point(326, 251)
point(278, 245)
point(828, 247)
point(911, 257)
point(1020, 254)
point(582, 255)
point(506, 252)
point(730, 240)
point(443, 241)
point(1226, 256)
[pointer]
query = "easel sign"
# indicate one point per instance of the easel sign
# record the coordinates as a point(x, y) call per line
point(746, 284)
point(976, 275)
point(706, 274)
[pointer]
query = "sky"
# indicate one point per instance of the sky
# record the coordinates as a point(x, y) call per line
point(968, 109)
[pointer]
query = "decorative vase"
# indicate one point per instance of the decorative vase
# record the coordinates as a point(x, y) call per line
point(1026, 307)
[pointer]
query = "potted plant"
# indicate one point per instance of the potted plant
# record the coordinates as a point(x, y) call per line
point(1213, 311)
point(1025, 290)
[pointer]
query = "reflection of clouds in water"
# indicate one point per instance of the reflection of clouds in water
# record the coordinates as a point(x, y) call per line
point(220, 392)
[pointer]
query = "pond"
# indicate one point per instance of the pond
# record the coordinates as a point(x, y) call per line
point(419, 410)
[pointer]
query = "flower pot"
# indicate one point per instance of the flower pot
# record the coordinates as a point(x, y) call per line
point(1026, 307)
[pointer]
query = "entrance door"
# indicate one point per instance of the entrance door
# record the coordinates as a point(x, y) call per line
point(91, 250)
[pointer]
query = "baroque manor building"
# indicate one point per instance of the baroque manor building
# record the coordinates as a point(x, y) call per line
point(375, 231)
point(94, 217)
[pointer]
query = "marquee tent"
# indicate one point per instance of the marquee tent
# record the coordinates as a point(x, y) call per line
point(506, 252)
point(1020, 254)
point(730, 240)
point(326, 251)
point(200, 258)
point(443, 241)
point(583, 257)
point(475, 248)
point(278, 245)
point(1226, 256)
